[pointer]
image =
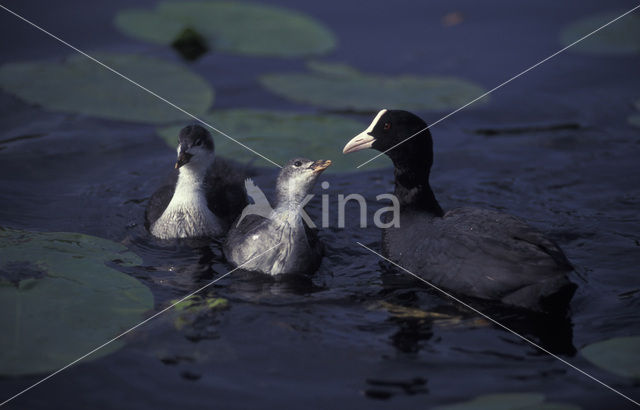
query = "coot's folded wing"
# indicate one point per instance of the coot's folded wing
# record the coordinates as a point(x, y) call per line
point(160, 200)
point(226, 195)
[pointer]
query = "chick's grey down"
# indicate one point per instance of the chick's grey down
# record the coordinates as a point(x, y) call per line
point(472, 252)
point(298, 249)
point(202, 197)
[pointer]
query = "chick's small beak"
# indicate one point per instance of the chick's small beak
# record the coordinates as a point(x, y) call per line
point(320, 165)
point(183, 158)
point(359, 142)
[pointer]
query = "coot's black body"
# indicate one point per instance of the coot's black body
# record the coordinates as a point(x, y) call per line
point(472, 252)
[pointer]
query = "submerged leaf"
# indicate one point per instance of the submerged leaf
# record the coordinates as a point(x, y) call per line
point(190, 44)
point(197, 303)
point(79, 85)
point(621, 37)
point(242, 28)
point(438, 319)
point(409, 312)
point(283, 135)
point(187, 312)
point(62, 300)
point(340, 87)
point(620, 355)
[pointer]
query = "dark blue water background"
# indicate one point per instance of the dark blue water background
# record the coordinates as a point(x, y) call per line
point(324, 342)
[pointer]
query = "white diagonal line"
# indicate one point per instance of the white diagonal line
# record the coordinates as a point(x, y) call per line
point(499, 324)
point(139, 85)
point(134, 327)
point(503, 84)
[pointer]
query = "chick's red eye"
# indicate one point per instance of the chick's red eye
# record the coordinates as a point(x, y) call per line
point(387, 125)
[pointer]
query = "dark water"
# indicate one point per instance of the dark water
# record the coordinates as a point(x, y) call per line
point(326, 341)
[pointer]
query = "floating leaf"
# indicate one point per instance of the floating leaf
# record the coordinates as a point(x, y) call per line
point(438, 319)
point(59, 299)
point(621, 37)
point(509, 401)
point(282, 136)
point(217, 303)
point(190, 309)
point(620, 355)
point(197, 303)
point(242, 28)
point(340, 87)
point(79, 85)
point(413, 313)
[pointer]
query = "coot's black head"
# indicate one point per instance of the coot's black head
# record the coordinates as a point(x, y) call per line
point(404, 138)
point(195, 147)
point(399, 134)
point(297, 178)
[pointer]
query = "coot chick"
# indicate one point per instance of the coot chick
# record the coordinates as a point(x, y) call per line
point(300, 251)
point(203, 196)
point(472, 252)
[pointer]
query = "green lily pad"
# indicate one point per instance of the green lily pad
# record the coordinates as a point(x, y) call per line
point(341, 87)
point(620, 355)
point(281, 136)
point(79, 85)
point(241, 28)
point(509, 401)
point(621, 37)
point(59, 299)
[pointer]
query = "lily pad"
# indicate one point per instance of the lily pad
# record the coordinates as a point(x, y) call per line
point(79, 85)
point(620, 355)
point(283, 135)
point(341, 87)
point(59, 299)
point(241, 28)
point(621, 37)
point(509, 401)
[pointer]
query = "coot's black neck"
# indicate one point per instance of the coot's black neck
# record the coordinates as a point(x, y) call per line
point(412, 162)
point(414, 192)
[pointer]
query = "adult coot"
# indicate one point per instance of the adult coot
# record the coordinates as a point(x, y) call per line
point(299, 250)
point(203, 196)
point(472, 252)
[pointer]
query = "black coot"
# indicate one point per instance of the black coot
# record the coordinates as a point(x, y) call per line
point(472, 252)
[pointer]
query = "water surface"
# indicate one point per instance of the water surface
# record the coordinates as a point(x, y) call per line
point(329, 340)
